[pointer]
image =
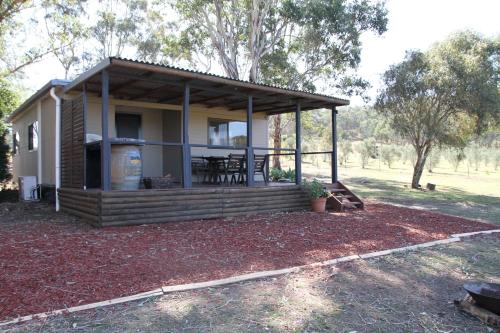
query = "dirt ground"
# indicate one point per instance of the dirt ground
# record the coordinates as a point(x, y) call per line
point(406, 292)
point(51, 261)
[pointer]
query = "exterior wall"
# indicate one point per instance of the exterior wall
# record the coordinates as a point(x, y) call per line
point(158, 160)
point(25, 161)
point(48, 140)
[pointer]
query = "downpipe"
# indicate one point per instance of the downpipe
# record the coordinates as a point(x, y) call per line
point(57, 99)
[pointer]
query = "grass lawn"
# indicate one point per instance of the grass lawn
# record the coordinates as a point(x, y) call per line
point(407, 292)
point(465, 192)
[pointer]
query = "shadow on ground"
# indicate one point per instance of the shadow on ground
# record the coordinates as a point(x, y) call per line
point(407, 292)
point(447, 200)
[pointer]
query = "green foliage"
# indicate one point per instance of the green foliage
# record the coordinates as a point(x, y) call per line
point(4, 157)
point(496, 160)
point(443, 96)
point(345, 149)
point(389, 154)
point(8, 102)
point(325, 43)
point(276, 174)
point(118, 25)
point(316, 189)
point(455, 156)
point(367, 150)
point(433, 159)
point(66, 30)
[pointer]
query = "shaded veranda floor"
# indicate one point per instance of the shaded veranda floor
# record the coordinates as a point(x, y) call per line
point(50, 261)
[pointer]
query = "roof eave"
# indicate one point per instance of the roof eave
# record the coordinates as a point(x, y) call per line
point(36, 96)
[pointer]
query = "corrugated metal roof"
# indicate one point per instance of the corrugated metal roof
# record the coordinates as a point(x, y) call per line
point(109, 62)
point(227, 78)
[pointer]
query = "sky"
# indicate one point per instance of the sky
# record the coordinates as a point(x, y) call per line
point(413, 24)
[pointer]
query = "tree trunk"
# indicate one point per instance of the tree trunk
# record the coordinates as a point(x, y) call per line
point(277, 140)
point(418, 169)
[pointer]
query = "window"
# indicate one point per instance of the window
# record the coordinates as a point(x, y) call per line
point(33, 136)
point(128, 125)
point(15, 143)
point(227, 133)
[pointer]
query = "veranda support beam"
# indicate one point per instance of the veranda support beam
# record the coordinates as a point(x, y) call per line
point(106, 145)
point(85, 125)
point(334, 146)
point(186, 149)
point(250, 155)
point(298, 151)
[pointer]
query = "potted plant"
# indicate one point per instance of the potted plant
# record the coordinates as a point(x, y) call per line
point(318, 195)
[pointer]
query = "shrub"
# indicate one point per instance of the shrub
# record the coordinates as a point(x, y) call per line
point(4, 158)
point(455, 157)
point(367, 150)
point(316, 189)
point(345, 150)
point(389, 154)
point(276, 174)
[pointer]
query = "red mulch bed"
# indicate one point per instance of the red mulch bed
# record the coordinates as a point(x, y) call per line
point(50, 261)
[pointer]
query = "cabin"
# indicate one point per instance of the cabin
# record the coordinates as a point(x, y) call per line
point(129, 142)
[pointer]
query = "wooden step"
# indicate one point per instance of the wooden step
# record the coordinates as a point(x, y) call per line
point(344, 196)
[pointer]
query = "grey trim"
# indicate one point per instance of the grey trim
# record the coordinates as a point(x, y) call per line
point(298, 149)
point(33, 98)
point(186, 149)
point(88, 74)
point(335, 177)
point(106, 145)
point(250, 154)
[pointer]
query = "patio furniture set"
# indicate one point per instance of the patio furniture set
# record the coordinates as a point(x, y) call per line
point(227, 170)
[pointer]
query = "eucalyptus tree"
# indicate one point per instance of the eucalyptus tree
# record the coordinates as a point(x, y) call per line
point(443, 96)
point(291, 43)
point(15, 54)
point(66, 31)
point(117, 26)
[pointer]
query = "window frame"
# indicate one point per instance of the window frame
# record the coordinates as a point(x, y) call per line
point(139, 115)
point(16, 143)
point(32, 133)
point(228, 121)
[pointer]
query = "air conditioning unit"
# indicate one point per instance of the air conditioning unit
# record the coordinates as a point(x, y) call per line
point(28, 188)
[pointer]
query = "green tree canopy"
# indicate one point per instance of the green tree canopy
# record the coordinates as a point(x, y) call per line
point(443, 96)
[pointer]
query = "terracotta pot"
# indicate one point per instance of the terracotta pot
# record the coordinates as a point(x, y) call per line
point(318, 205)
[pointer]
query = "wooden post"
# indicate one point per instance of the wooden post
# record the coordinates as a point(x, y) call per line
point(250, 154)
point(186, 149)
point(85, 116)
point(298, 149)
point(334, 146)
point(105, 146)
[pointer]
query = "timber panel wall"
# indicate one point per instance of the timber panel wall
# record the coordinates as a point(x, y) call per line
point(84, 204)
point(72, 139)
point(156, 206)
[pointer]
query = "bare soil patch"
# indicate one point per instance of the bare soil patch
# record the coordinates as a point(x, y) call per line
point(50, 261)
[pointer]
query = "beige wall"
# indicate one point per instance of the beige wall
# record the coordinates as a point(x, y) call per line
point(48, 140)
point(25, 161)
point(153, 121)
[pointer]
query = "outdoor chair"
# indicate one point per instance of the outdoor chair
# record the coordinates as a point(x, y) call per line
point(260, 163)
point(235, 167)
point(199, 167)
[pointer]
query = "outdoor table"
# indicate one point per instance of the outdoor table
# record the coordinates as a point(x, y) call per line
point(213, 167)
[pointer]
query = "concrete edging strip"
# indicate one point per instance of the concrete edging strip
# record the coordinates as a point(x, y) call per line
point(241, 278)
point(468, 234)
